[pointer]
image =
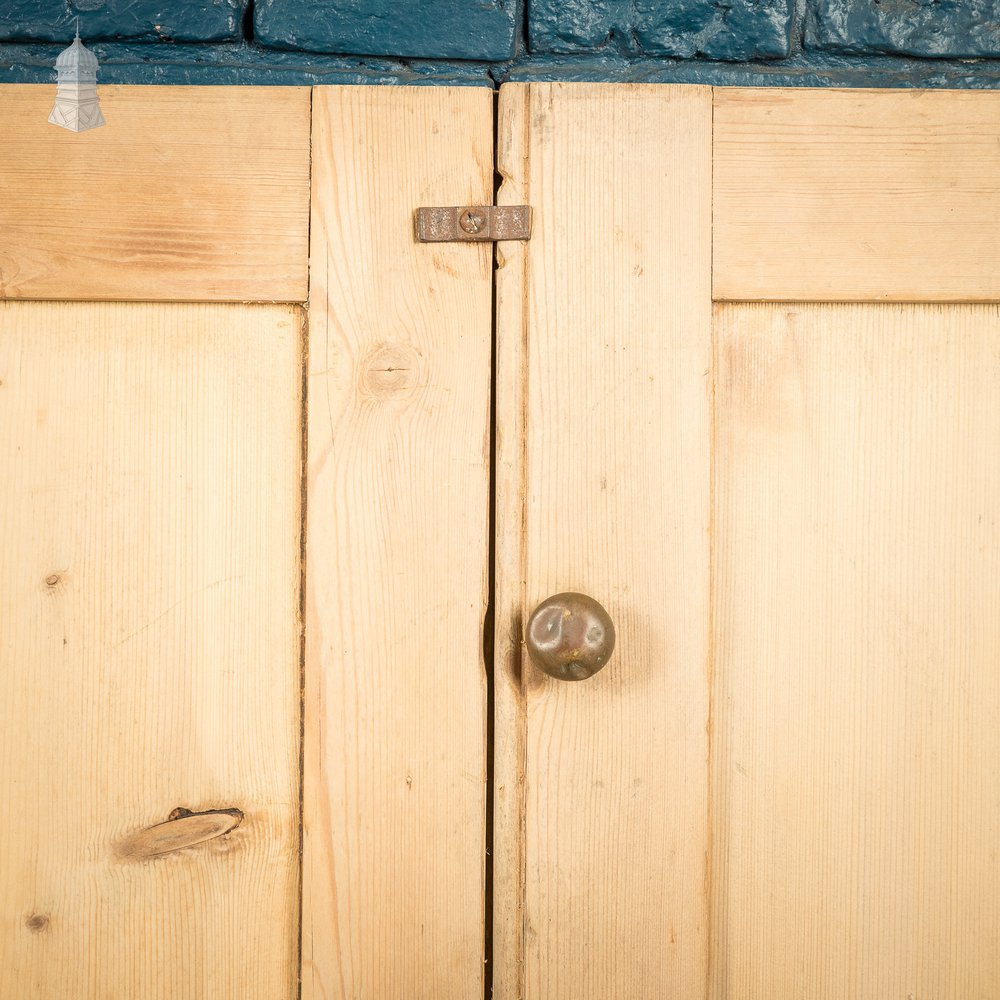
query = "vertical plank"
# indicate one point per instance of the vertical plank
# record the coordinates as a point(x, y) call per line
point(188, 193)
point(616, 335)
point(397, 550)
point(858, 632)
point(149, 648)
point(509, 724)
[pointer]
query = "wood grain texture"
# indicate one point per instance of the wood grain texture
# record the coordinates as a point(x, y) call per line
point(617, 321)
point(183, 828)
point(188, 193)
point(509, 721)
point(856, 735)
point(397, 550)
point(857, 195)
point(149, 647)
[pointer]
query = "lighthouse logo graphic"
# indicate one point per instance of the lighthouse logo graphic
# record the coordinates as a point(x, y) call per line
point(76, 106)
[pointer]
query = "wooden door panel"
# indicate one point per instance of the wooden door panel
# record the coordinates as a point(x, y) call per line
point(398, 550)
point(149, 648)
point(849, 685)
point(607, 415)
point(188, 193)
point(856, 730)
point(846, 195)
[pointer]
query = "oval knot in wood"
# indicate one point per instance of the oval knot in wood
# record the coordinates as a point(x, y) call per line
point(390, 371)
point(183, 829)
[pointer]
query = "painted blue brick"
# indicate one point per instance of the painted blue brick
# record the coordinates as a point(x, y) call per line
point(231, 64)
point(235, 64)
point(573, 25)
point(944, 28)
point(180, 20)
point(423, 29)
point(731, 30)
point(803, 69)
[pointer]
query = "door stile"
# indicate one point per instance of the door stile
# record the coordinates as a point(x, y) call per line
point(510, 390)
point(604, 414)
point(398, 549)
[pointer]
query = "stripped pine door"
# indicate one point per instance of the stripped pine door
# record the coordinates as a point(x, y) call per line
point(747, 377)
point(786, 782)
point(176, 467)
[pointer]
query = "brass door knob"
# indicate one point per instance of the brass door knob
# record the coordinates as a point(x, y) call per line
point(570, 637)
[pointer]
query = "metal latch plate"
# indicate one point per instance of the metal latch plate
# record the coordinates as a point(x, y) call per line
point(473, 223)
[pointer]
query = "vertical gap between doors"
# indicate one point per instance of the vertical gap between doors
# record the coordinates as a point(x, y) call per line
point(489, 617)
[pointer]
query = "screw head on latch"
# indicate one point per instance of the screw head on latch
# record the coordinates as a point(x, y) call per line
point(471, 221)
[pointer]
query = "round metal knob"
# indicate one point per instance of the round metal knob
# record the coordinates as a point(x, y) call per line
point(570, 637)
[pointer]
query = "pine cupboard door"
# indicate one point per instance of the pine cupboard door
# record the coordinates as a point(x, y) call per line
point(748, 398)
point(244, 546)
point(150, 544)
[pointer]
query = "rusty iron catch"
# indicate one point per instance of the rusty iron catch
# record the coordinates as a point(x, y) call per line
point(473, 224)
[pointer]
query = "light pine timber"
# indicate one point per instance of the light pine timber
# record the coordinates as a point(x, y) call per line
point(187, 193)
point(509, 723)
point(613, 341)
point(856, 195)
point(857, 596)
point(149, 648)
point(397, 551)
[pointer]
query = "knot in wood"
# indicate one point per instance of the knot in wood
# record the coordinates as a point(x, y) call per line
point(390, 371)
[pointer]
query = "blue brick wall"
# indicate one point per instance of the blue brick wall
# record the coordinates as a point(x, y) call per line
point(738, 31)
point(891, 43)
